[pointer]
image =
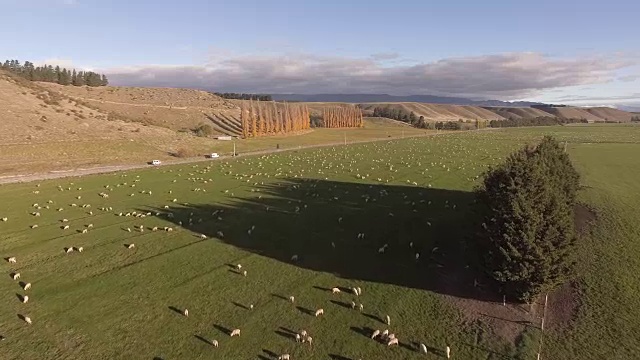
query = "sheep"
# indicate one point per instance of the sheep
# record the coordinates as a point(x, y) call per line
point(155, 228)
point(90, 226)
point(392, 342)
point(27, 286)
point(80, 249)
point(5, 219)
point(203, 236)
point(27, 320)
point(214, 343)
point(34, 226)
point(423, 349)
point(131, 246)
point(355, 291)
point(66, 227)
point(292, 299)
point(251, 307)
point(294, 258)
point(239, 266)
point(448, 351)
point(335, 290)
point(169, 229)
point(388, 320)
point(69, 250)
point(381, 250)
point(309, 339)
point(361, 307)
point(15, 276)
point(319, 312)
point(12, 260)
point(244, 273)
point(235, 332)
point(385, 333)
point(391, 336)
point(128, 229)
point(185, 312)
point(353, 305)
point(220, 234)
point(359, 291)
point(375, 334)
point(25, 299)
point(84, 231)
point(284, 357)
point(298, 338)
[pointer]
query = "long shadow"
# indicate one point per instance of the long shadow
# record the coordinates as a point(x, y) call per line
point(374, 317)
point(338, 357)
point(306, 311)
point(308, 217)
point(222, 329)
point(202, 339)
point(342, 304)
point(364, 331)
point(240, 305)
point(176, 310)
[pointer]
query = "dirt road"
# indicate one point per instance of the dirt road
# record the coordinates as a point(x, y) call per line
point(113, 168)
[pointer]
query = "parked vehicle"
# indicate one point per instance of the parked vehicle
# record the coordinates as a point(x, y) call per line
point(214, 155)
point(156, 162)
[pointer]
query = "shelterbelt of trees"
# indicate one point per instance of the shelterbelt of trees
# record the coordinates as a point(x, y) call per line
point(49, 73)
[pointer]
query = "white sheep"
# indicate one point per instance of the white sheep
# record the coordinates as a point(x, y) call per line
point(392, 342)
point(185, 312)
point(303, 333)
point(69, 250)
point(448, 351)
point(66, 227)
point(169, 229)
point(5, 219)
point(80, 249)
point(423, 349)
point(417, 256)
point(244, 273)
point(131, 246)
point(12, 260)
point(375, 334)
point(220, 234)
point(319, 312)
point(27, 320)
point(25, 299)
point(335, 290)
point(90, 226)
point(251, 307)
point(388, 320)
point(361, 307)
point(128, 229)
point(235, 332)
point(203, 236)
point(27, 286)
point(385, 333)
point(391, 336)
point(15, 276)
point(84, 231)
point(298, 338)
point(309, 339)
point(214, 343)
point(355, 291)
point(292, 299)
point(239, 266)
point(353, 304)
point(34, 226)
point(155, 228)
point(294, 258)
point(284, 357)
point(359, 291)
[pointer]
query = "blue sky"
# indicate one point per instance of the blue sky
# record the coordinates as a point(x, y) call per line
point(570, 51)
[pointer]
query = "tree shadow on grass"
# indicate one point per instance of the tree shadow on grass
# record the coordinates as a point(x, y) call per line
point(305, 217)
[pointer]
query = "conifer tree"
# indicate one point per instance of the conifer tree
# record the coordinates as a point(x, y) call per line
point(527, 212)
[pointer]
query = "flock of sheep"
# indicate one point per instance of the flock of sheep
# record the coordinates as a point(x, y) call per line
point(302, 336)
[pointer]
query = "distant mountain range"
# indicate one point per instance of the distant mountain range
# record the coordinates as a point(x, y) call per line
point(369, 98)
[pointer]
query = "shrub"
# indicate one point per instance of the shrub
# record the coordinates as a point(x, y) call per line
point(203, 130)
point(183, 153)
point(526, 205)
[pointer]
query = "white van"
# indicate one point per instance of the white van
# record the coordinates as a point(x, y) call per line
point(155, 162)
point(214, 155)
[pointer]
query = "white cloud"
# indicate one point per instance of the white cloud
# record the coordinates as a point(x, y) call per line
point(506, 76)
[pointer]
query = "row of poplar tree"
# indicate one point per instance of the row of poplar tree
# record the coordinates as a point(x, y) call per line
point(49, 73)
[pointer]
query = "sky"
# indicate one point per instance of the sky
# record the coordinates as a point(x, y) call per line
point(565, 51)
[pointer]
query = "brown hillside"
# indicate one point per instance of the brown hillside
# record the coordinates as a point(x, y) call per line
point(518, 113)
point(175, 109)
point(573, 113)
point(610, 114)
point(41, 129)
point(440, 112)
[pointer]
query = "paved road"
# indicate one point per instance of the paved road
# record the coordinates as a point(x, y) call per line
point(113, 168)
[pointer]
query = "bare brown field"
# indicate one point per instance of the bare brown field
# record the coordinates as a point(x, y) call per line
point(439, 112)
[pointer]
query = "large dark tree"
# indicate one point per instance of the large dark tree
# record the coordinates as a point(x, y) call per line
point(527, 212)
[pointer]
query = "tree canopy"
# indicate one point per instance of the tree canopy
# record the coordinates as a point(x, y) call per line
point(47, 73)
point(527, 232)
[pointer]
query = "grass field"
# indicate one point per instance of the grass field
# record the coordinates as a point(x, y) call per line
point(111, 302)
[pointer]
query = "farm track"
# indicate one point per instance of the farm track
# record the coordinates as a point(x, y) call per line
point(115, 168)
